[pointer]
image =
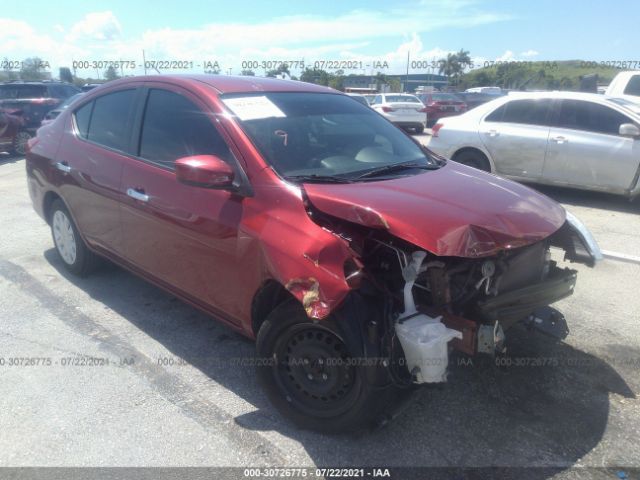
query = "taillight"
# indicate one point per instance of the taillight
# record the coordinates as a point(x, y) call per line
point(435, 129)
point(388, 109)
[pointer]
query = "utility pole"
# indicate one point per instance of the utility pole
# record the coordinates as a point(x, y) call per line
point(406, 81)
point(144, 62)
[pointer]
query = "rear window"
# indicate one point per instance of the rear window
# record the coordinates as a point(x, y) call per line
point(444, 97)
point(527, 112)
point(633, 87)
point(401, 98)
point(18, 91)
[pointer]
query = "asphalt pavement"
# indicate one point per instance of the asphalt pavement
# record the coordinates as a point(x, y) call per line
point(116, 372)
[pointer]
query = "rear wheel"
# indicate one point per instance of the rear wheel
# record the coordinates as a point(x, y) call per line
point(75, 255)
point(311, 375)
point(20, 142)
point(473, 158)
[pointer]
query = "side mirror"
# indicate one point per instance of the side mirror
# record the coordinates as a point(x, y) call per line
point(207, 171)
point(629, 130)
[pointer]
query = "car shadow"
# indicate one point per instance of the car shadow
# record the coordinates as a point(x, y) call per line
point(6, 157)
point(585, 198)
point(546, 405)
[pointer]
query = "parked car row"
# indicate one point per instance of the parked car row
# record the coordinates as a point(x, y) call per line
point(24, 105)
point(579, 140)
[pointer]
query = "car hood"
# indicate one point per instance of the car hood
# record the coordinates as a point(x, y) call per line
point(453, 211)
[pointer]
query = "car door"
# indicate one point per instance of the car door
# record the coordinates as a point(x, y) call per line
point(516, 134)
point(184, 236)
point(586, 149)
point(89, 163)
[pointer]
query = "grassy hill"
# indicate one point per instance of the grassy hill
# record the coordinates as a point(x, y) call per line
point(546, 75)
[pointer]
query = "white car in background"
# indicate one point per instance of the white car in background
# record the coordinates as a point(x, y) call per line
point(625, 85)
point(580, 140)
point(406, 111)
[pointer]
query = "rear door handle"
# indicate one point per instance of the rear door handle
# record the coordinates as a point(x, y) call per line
point(559, 140)
point(493, 133)
point(138, 194)
point(63, 167)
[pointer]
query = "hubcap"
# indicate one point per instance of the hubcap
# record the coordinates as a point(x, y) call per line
point(21, 142)
point(64, 238)
point(315, 371)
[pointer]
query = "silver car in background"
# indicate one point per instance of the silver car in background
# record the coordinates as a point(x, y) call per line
point(406, 111)
point(579, 140)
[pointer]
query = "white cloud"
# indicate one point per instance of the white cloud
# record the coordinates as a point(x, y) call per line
point(529, 53)
point(99, 36)
point(506, 56)
point(101, 26)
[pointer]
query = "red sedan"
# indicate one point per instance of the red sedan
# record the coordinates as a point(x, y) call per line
point(307, 221)
point(440, 105)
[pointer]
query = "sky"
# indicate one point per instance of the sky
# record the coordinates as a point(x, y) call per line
point(370, 32)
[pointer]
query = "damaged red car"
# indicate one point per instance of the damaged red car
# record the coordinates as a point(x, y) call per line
point(355, 257)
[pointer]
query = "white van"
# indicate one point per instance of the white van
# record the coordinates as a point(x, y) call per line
point(626, 85)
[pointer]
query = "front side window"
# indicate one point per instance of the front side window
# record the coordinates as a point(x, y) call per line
point(526, 112)
point(174, 127)
point(108, 122)
point(323, 135)
point(591, 117)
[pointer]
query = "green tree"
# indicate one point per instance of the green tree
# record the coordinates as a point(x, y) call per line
point(248, 73)
point(315, 75)
point(111, 74)
point(65, 75)
point(32, 69)
point(282, 68)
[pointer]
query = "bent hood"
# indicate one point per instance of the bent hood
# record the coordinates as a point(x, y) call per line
point(453, 211)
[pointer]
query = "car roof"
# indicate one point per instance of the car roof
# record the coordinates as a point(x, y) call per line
point(230, 84)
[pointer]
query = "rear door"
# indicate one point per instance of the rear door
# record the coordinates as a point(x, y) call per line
point(186, 237)
point(586, 150)
point(516, 134)
point(89, 163)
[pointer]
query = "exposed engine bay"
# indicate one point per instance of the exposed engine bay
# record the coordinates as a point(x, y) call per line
point(478, 299)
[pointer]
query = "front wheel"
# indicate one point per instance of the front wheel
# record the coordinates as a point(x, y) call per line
point(75, 255)
point(311, 375)
point(473, 158)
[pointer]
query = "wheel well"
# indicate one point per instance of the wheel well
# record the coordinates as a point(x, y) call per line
point(268, 297)
point(49, 198)
point(472, 149)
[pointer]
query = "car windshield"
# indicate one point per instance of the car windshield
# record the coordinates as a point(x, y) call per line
point(401, 98)
point(325, 136)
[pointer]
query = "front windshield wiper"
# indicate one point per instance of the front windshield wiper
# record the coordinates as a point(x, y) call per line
point(314, 178)
point(396, 167)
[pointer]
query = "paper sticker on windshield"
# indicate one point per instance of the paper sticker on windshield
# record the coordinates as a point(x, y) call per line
point(252, 108)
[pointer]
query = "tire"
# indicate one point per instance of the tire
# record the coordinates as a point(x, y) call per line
point(419, 129)
point(19, 146)
point(473, 158)
point(305, 369)
point(73, 252)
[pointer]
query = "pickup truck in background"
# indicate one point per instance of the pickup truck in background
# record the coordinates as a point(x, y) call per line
point(626, 85)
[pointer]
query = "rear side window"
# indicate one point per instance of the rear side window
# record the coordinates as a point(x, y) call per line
point(591, 117)
point(83, 116)
point(22, 91)
point(174, 127)
point(633, 87)
point(527, 112)
point(108, 125)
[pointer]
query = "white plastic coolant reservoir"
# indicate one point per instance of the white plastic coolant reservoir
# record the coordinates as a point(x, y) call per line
point(424, 341)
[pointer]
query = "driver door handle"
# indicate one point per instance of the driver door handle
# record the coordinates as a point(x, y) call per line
point(137, 194)
point(559, 140)
point(63, 167)
point(493, 133)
